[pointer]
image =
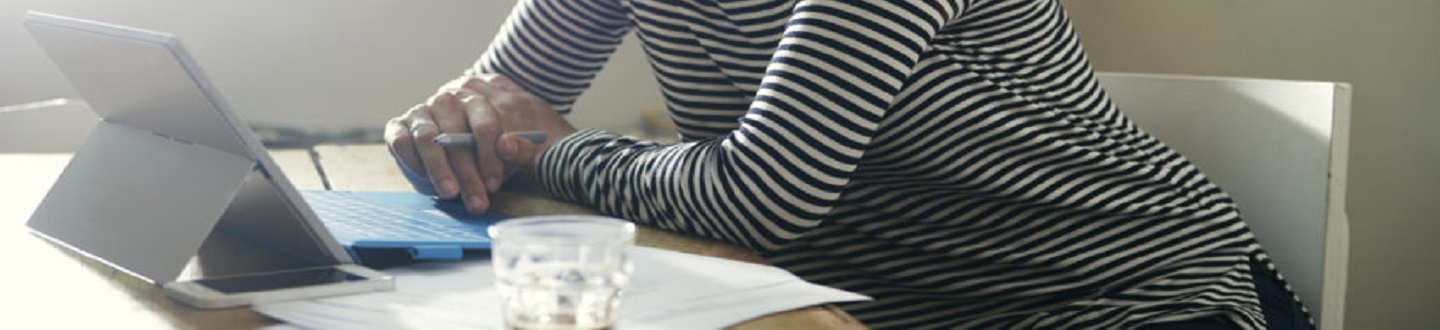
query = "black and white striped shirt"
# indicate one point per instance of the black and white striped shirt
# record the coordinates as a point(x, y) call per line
point(956, 160)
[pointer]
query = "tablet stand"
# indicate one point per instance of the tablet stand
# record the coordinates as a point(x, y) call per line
point(144, 203)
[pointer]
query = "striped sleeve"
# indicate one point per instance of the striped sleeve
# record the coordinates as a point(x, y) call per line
point(835, 71)
point(554, 48)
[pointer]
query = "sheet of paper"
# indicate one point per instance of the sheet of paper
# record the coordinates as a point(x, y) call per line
point(669, 290)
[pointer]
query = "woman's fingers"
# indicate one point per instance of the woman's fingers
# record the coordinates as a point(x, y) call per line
point(402, 144)
point(519, 151)
point(486, 106)
point(519, 110)
point(485, 127)
point(423, 130)
point(450, 116)
point(410, 140)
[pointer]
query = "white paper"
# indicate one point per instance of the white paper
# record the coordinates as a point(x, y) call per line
point(669, 290)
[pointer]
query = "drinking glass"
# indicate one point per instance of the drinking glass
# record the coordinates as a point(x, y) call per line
point(561, 272)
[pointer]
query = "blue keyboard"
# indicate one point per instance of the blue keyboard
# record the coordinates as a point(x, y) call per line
point(429, 229)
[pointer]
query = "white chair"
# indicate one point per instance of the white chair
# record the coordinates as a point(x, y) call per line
point(1279, 148)
point(58, 125)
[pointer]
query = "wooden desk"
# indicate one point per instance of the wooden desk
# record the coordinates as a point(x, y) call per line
point(46, 286)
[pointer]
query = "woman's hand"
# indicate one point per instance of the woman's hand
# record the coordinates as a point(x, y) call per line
point(487, 107)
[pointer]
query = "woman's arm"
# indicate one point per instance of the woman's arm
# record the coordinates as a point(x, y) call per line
point(836, 71)
point(554, 48)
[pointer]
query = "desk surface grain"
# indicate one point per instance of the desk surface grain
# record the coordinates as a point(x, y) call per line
point(51, 287)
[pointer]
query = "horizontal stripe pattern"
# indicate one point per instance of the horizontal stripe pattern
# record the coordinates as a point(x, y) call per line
point(956, 160)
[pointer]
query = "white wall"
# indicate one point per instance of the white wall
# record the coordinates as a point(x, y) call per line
point(1389, 50)
point(322, 65)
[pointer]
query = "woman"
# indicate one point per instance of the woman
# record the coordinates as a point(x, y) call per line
point(955, 160)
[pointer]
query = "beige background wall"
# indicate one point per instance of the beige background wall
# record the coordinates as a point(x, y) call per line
point(1388, 49)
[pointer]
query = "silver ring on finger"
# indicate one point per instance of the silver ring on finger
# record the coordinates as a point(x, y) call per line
point(415, 126)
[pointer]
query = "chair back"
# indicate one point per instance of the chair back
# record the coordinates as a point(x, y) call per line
point(1279, 148)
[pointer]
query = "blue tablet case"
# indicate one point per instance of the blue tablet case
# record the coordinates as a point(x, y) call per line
point(427, 228)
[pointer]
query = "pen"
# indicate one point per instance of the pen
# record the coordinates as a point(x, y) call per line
point(468, 141)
